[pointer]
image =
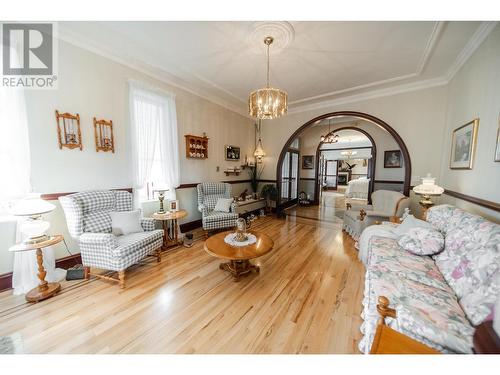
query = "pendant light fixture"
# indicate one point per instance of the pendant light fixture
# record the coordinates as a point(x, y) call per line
point(268, 103)
point(259, 150)
point(329, 137)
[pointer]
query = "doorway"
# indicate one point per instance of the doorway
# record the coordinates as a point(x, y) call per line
point(289, 178)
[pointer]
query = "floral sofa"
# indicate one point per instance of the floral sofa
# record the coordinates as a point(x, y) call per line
point(438, 300)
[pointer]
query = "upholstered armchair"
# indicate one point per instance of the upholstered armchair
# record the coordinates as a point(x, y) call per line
point(89, 223)
point(385, 205)
point(208, 193)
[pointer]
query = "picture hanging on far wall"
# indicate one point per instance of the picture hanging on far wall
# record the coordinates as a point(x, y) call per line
point(497, 148)
point(232, 153)
point(307, 161)
point(393, 159)
point(463, 144)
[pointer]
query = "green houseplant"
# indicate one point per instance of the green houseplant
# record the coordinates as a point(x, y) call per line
point(269, 192)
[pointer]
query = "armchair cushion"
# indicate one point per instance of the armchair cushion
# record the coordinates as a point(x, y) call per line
point(133, 242)
point(223, 204)
point(126, 222)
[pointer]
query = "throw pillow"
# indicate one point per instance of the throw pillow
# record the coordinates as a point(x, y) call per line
point(126, 222)
point(409, 222)
point(422, 241)
point(223, 204)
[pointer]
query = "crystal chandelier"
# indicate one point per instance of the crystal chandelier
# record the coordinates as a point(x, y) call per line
point(268, 103)
point(329, 137)
point(348, 153)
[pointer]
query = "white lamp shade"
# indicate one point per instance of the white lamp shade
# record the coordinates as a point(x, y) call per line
point(428, 187)
point(32, 206)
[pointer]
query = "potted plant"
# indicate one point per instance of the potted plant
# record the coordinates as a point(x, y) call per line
point(255, 172)
point(269, 192)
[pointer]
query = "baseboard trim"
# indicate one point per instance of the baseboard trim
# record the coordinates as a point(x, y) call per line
point(65, 263)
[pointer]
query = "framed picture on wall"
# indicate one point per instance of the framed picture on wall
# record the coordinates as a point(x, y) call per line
point(393, 159)
point(463, 144)
point(232, 153)
point(307, 161)
point(497, 148)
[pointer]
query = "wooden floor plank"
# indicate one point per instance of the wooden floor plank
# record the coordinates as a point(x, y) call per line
point(306, 299)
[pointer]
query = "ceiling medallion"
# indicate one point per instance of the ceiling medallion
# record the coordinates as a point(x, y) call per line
point(269, 102)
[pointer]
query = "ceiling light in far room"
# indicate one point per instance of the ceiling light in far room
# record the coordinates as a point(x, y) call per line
point(329, 137)
point(268, 103)
point(348, 153)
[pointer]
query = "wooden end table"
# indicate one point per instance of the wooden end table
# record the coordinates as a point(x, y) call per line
point(45, 289)
point(238, 256)
point(170, 227)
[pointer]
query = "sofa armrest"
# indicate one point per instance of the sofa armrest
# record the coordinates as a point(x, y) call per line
point(233, 207)
point(97, 242)
point(203, 209)
point(148, 224)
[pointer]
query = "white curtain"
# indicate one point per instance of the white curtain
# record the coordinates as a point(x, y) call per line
point(15, 169)
point(153, 120)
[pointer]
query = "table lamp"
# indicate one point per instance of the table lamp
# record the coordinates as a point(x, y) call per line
point(34, 228)
point(427, 189)
point(161, 196)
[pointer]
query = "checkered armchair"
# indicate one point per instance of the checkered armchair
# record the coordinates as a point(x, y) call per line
point(208, 193)
point(89, 223)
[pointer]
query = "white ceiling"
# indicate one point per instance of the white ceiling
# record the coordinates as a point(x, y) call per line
point(313, 61)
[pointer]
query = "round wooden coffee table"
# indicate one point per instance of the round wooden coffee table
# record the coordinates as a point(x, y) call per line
point(238, 256)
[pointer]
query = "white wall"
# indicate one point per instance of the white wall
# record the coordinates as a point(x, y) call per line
point(474, 92)
point(92, 85)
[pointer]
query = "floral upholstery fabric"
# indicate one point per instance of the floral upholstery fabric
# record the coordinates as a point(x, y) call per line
point(422, 241)
point(429, 309)
point(470, 262)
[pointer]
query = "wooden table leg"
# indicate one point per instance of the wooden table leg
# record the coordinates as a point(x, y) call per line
point(238, 268)
point(44, 289)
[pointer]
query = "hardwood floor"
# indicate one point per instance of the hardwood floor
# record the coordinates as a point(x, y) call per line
point(306, 299)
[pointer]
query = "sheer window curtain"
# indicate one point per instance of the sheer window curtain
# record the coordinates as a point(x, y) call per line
point(15, 169)
point(153, 119)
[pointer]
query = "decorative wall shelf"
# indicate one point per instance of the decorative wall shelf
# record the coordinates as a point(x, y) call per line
point(196, 147)
point(236, 173)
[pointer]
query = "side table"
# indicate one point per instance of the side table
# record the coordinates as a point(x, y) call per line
point(170, 227)
point(45, 289)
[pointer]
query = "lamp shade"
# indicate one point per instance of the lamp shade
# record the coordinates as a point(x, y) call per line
point(32, 206)
point(428, 187)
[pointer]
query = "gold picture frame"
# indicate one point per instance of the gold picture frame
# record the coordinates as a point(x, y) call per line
point(463, 145)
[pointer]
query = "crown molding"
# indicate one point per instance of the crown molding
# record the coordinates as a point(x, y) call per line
point(150, 70)
point(474, 42)
point(389, 91)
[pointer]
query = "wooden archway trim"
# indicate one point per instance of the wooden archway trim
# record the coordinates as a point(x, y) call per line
point(361, 115)
point(371, 163)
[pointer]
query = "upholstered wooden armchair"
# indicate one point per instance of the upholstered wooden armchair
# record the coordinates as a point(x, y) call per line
point(89, 223)
point(208, 193)
point(385, 204)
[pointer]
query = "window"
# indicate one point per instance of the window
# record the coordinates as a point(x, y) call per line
point(155, 155)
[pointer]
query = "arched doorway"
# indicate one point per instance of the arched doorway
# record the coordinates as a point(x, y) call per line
point(360, 115)
point(371, 162)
